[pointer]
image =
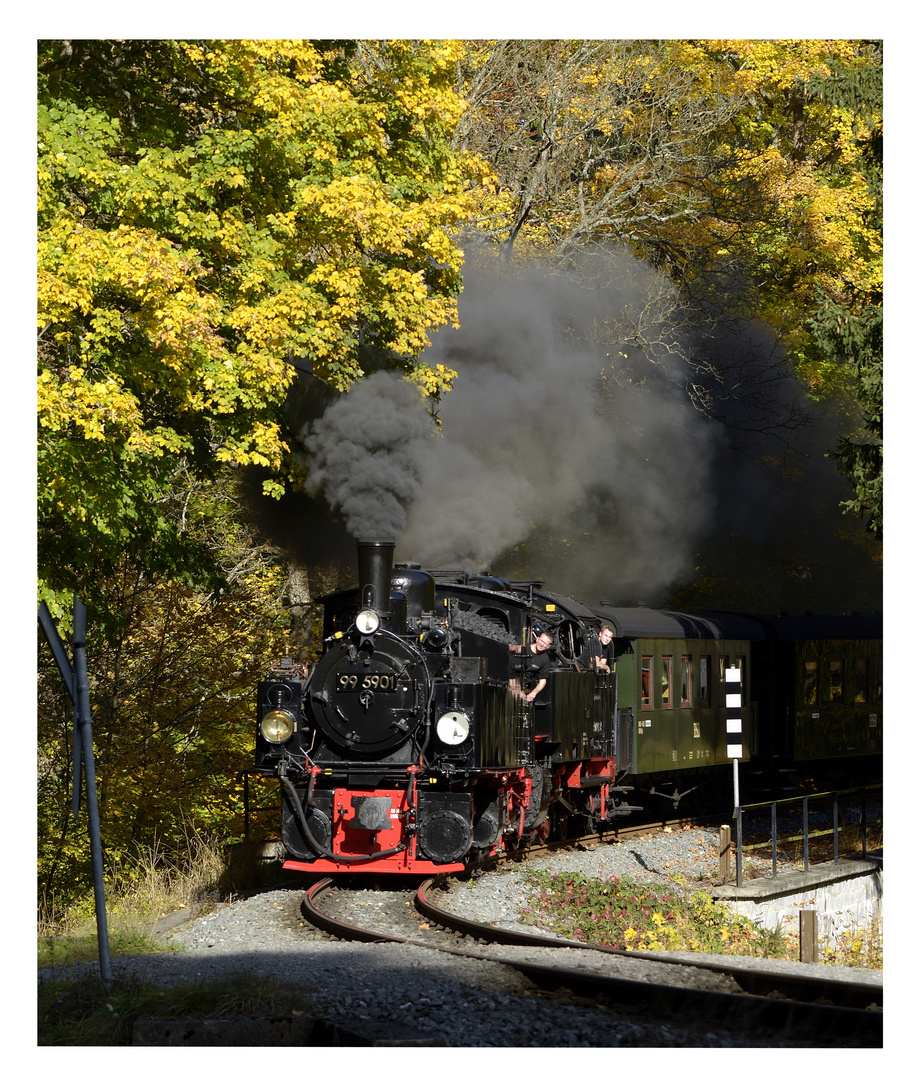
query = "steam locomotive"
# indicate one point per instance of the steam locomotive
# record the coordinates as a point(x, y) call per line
point(437, 728)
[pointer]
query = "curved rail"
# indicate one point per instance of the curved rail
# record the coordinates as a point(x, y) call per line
point(336, 927)
point(800, 988)
point(799, 1007)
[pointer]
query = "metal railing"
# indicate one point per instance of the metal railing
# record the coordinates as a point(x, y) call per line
point(862, 794)
point(249, 810)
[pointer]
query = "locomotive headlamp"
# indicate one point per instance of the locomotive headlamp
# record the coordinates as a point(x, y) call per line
point(453, 728)
point(277, 726)
point(367, 621)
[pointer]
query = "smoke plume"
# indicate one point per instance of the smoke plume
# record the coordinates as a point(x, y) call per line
point(365, 453)
point(569, 452)
point(539, 441)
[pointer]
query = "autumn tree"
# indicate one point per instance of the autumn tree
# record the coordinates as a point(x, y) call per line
point(209, 210)
point(737, 168)
point(172, 723)
point(602, 150)
point(805, 151)
point(847, 321)
point(592, 141)
point(212, 216)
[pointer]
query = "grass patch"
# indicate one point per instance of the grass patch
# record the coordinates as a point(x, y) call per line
point(83, 1013)
point(143, 888)
point(155, 883)
point(140, 889)
point(82, 945)
point(625, 914)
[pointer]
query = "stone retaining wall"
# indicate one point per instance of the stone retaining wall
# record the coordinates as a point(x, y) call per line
point(845, 895)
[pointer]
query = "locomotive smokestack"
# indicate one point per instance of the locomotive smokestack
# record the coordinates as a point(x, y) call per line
point(375, 569)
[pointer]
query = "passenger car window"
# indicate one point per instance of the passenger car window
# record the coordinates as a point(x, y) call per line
point(667, 676)
point(811, 682)
point(835, 686)
point(859, 681)
point(686, 688)
point(705, 679)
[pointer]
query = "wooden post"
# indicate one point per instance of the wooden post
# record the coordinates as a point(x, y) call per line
point(725, 854)
point(808, 936)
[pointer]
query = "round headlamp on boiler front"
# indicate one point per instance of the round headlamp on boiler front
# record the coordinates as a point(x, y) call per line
point(453, 728)
point(277, 726)
point(367, 621)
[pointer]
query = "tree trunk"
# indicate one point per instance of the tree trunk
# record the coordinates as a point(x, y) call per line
point(299, 607)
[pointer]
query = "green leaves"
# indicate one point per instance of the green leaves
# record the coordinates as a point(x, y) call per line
point(207, 212)
point(171, 694)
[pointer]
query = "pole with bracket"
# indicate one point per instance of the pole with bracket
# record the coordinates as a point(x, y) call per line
point(734, 750)
point(76, 683)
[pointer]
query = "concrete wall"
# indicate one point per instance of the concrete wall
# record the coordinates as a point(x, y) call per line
point(845, 895)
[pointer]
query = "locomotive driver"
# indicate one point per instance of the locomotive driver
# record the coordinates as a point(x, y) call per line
point(603, 650)
point(535, 667)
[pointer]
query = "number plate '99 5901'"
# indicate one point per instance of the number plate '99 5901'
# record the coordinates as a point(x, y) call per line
point(379, 682)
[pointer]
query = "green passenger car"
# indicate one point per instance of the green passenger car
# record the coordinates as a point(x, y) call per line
point(671, 696)
point(820, 678)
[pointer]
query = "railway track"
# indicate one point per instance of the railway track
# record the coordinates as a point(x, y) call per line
point(798, 1010)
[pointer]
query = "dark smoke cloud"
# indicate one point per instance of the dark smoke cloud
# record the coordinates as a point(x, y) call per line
point(533, 440)
point(365, 452)
point(584, 463)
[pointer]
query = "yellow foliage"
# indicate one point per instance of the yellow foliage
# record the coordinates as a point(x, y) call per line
point(273, 200)
point(719, 155)
point(433, 381)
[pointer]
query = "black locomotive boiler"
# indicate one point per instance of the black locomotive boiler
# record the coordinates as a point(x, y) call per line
point(430, 732)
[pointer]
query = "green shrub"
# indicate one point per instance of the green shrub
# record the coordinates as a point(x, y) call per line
point(856, 946)
point(625, 914)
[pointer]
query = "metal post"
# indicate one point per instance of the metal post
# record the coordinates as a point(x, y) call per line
point(836, 837)
point(864, 822)
point(773, 833)
point(76, 682)
point(89, 772)
point(734, 747)
point(805, 827)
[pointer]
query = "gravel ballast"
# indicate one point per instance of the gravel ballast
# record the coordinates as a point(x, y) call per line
point(445, 999)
